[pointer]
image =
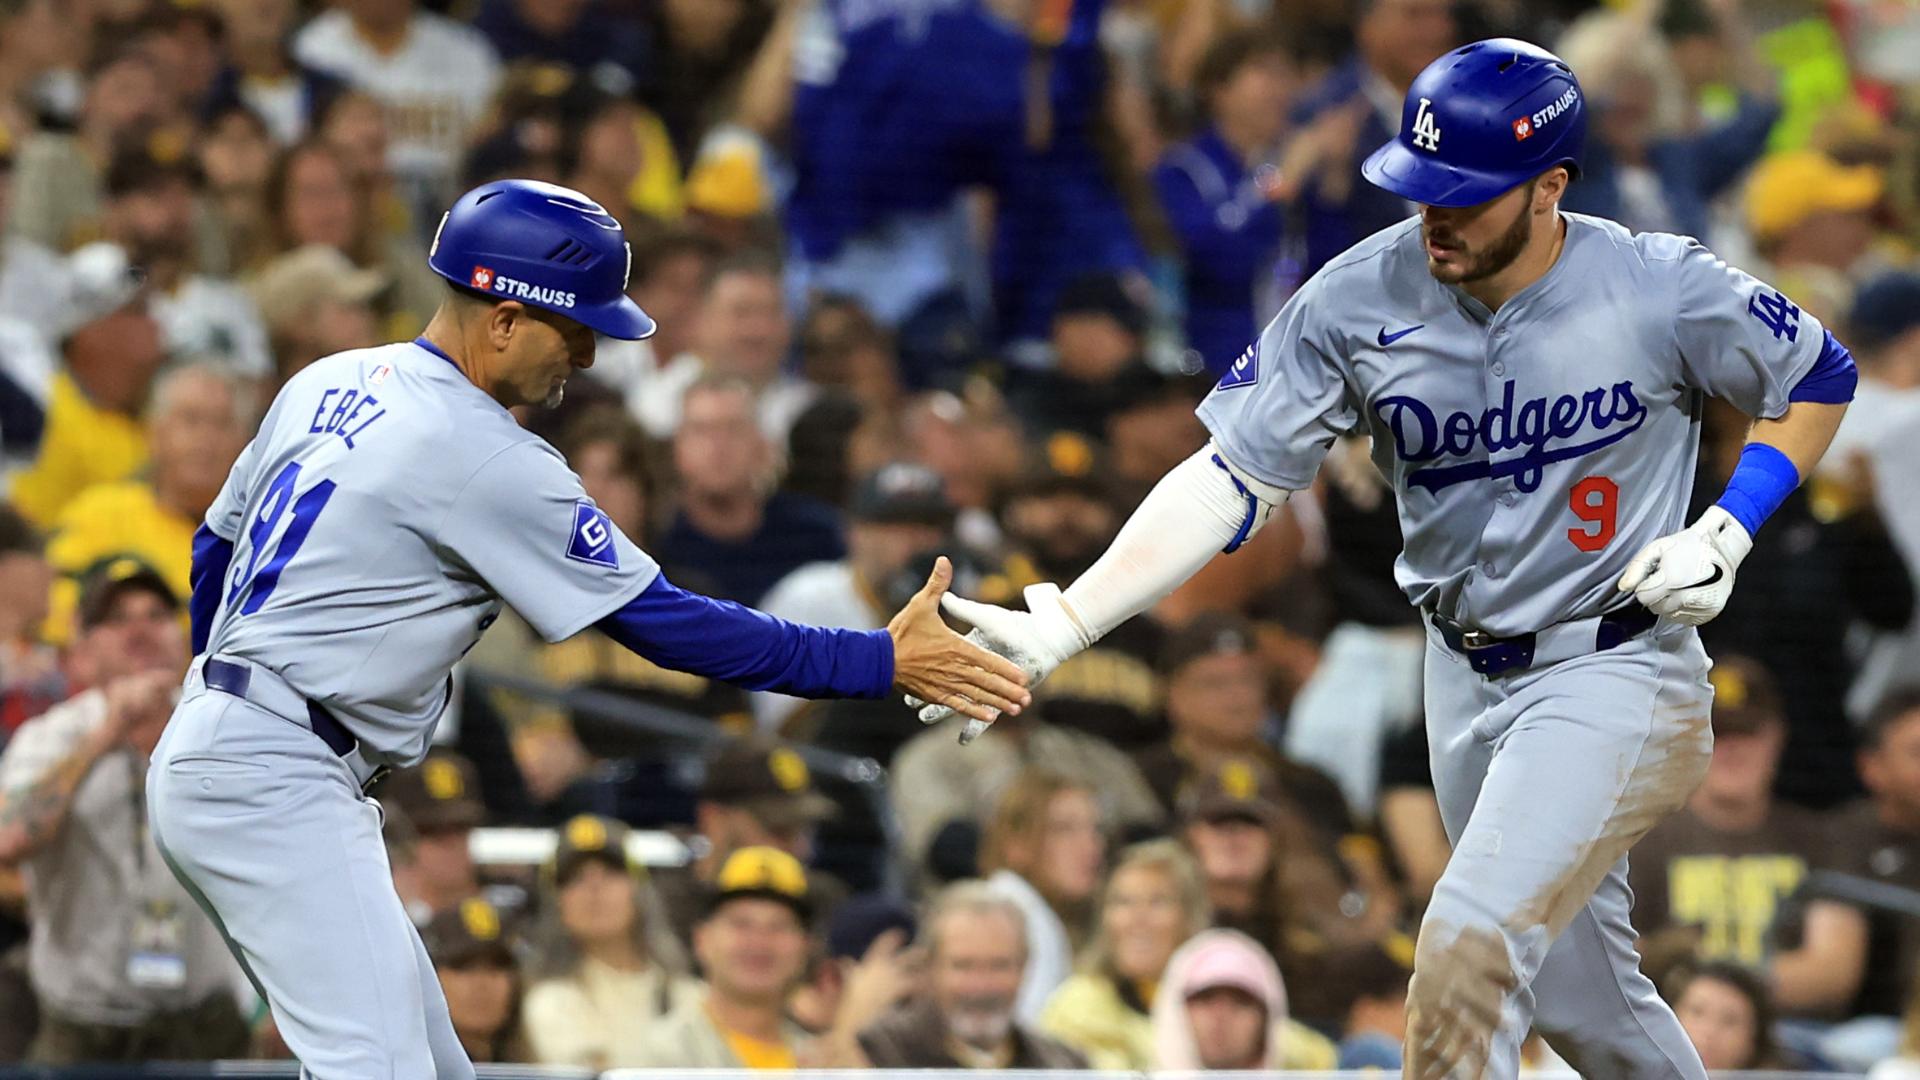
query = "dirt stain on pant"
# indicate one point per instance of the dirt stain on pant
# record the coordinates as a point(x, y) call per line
point(1463, 976)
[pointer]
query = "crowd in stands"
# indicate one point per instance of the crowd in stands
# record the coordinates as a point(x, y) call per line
point(932, 277)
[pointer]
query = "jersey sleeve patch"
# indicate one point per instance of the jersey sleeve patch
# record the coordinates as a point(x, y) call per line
point(592, 538)
point(1244, 372)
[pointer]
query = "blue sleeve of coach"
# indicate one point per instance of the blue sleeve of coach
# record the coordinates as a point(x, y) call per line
point(734, 643)
point(211, 555)
point(1832, 378)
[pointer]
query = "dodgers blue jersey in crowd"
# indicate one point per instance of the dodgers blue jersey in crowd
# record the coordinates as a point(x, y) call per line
point(381, 515)
point(1533, 449)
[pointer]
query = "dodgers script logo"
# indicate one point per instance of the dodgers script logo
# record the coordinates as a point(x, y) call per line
point(1549, 432)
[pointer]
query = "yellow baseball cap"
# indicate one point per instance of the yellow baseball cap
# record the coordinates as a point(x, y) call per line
point(764, 873)
point(1788, 188)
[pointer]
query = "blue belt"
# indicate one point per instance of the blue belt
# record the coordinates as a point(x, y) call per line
point(1493, 656)
point(231, 678)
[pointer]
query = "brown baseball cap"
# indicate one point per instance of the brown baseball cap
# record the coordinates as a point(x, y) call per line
point(470, 934)
point(589, 838)
point(763, 873)
point(769, 780)
point(1237, 789)
point(1208, 634)
point(1745, 699)
point(110, 579)
point(442, 792)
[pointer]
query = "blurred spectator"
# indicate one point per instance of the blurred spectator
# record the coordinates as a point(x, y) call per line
point(1059, 515)
point(1216, 704)
point(149, 213)
point(124, 963)
point(1857, 961)
point(1881, 427)
point(1151, 428)
point(200, 417)
point(1153, 902)
point(943, 792)
point(315, 303)
point(600, 153)
point(1651, 164)
point(1375, 1025)
point(1728, 1014)
point(1221, 1006)
point(1098, 333)
point(1364, 689)
point(741, 331)
point(261, 74)
point(92, 432)
point(1223, 194)
point(757, 793)
point(58, 188)
point(1269, 876)
point(972, 440)
point(479, 976)
point(842, 346)
point(1727, 862)
point(859, 931)
point(898, 515)
point(1393, 41)
point(1812, 220)
point(977, 949)
point(666, 281)
point(31, 273)
point(30, 679)
point(733, 532)
point(704, 47)
point(434, 76)
point(235, 155)
point(1044, 849)
point(431, 811)
point(1818, 572)
point(590, 37)
point(605, 965)
point(752, 947)
point(315, 197)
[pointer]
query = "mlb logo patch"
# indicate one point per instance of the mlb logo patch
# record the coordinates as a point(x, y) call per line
point(482, 278)
point(380, 374)
point(592, 539)
point(1244, 372)
point(1522, 128)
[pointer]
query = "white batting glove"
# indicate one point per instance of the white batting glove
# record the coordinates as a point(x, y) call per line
point(1688, 576)
point(1038, 640)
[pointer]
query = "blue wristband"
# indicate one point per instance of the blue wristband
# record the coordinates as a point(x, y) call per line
point(1760, 483)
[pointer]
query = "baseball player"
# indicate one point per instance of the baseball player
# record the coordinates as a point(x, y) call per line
point(371, 531)
point(1532, 381)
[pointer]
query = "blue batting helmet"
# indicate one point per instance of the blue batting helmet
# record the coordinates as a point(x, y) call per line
point(544, 245)
point(1481, 120)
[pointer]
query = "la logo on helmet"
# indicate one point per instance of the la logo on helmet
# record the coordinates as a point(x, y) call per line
point(1426, 133)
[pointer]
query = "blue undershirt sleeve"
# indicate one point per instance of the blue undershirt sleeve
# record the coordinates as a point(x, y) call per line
point(734, 643)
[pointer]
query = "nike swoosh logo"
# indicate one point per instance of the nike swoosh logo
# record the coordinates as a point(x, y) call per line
point(1718, 573)
point(1387, 339)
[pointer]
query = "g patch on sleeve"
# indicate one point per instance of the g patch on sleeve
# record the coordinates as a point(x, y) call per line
point(1244, 372)
point(592, 539)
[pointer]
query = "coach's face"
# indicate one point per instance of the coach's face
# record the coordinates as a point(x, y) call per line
point(535, 351)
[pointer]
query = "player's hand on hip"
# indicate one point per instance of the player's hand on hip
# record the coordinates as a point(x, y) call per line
point(1038, 639)
point(1688, 576)
point(934, 664)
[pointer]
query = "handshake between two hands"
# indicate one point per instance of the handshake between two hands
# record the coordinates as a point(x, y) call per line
point(994, 668)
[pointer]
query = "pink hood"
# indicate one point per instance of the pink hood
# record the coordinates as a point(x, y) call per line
point(1214, 958)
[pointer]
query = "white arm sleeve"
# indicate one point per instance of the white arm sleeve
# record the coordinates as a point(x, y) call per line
point(1203, 506)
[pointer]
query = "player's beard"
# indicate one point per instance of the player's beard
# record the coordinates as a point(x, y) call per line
point(1497, 256)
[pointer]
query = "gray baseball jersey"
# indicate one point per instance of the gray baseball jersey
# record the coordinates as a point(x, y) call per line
point(1534, 449)
point(381, 515)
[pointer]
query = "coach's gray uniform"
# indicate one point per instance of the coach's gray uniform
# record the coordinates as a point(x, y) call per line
point(383, 512)
point(1534, 450)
